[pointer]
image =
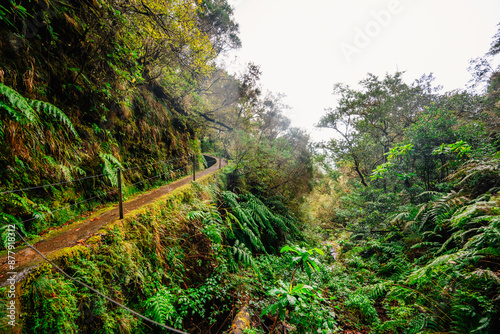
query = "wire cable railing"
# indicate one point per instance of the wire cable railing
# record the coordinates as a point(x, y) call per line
point(173, 330)
point(51, 213)
point(89, 177)
point(151, 164)
point(54, 184)
point(118, 190)
point(155, 177)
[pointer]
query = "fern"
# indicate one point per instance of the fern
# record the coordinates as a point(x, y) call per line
point(258, 224)
point(194, 215)
point(417, 324)
point(402, 293)
point(377, 290)
point(465, 215)
point(243, 254)
point(111, 165)
point(54, 112)
point(5, 220)
point(444, 208)
point(484, 273)
point(230, 198)
point(363, 305)
point(488, 166)
point(19, 109)
point(161, 308)
point(487, 236)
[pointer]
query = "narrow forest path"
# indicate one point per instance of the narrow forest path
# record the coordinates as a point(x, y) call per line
point(26, 257)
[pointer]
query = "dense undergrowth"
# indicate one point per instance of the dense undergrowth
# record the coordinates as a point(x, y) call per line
point(87, 87)
point(418, 233)
point(433, 268)
point(173, 261)
point(397, 230)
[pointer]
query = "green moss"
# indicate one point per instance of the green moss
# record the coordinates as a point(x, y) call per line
point(94, 240)
point(68, 255)
point(36, 273)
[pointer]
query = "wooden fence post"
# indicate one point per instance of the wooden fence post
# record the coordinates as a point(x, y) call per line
point(120, 205)
point(194, 167)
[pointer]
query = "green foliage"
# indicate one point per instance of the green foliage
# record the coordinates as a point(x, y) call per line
point(304, 258)
point(362, 304)
point(7, 220)
point(110, 167)
point(161, 308)
point(421, 252)
point(461, 148)
point(19, 108)
point(54, 306)
point(288, 297)
point(54, 112)
point(256, 225)
point(435, 272)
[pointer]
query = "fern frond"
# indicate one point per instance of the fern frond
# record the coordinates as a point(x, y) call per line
point(467, 214)
point(160, 307)
point(400, 216)
point(485, 273)
point(196, 215)
point(377, 290)
point(111, 165)
point(417, 324)
point(230, 198)
point(25, 113)
point(243, 254)
point(54, 112)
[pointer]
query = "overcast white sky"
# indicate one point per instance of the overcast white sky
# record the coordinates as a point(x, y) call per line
point(304, 47)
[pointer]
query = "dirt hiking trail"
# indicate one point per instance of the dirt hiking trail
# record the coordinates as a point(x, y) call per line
point(27, 258)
